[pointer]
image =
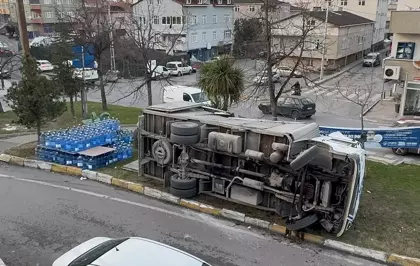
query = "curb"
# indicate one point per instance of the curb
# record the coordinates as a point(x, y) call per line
point(319, 82)
point(204, 208)
point(371, 107)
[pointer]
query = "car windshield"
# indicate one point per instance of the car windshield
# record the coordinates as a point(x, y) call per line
point(171, 66)
point(370, 57)
point(199, 97)
point(307, 101)
point(93, 254)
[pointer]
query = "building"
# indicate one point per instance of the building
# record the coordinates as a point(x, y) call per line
point(405, 54)
point(408, 5)
point(247, 9)
point(41, 15)
point(392, 6)
point(4, 11)
point(348, 37)
point(199, 28)
point(375, 10)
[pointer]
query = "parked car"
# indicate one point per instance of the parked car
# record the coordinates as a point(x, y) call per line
point(285, 71)
point(406, 122)
point(195, 66)
point(160, 72)
point(372, 59)
point(44, 65)
point(294, 106)
point(262, 78)
point(112, 76)
point(130, 251)
point(178, 68)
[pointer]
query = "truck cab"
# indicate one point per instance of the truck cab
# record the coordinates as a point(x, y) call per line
point(178, 93)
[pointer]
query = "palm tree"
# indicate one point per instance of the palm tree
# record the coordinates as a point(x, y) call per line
point(222, 82)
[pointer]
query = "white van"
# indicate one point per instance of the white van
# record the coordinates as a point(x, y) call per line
point(179, 93)
point(177, 68)
point(160, 72)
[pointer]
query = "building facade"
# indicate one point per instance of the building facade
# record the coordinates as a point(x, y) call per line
point(375, 10)
point(247, 9)
point(405, 53)
point(348, 38)
point(408, 5)
point(199, 28)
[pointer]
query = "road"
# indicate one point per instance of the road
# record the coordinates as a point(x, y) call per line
point(45, 214)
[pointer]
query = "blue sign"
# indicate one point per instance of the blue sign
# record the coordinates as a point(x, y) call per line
point(88, 52)
point(401, 137)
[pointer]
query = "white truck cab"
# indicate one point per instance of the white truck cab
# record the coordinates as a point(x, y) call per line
point(179, 93)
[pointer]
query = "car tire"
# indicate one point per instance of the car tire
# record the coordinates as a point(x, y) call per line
point(400, 151)
point(304, 158)
point(162, 151)
point(184, 140)
point(295, 114)
point(183, 184)
point(189, 72)
point(179, 73)
point(184, 128)
point(183, 193)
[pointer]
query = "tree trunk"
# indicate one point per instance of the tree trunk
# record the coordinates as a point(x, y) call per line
point(1, 108)
point(271, 87)
point(38, 129)
point(362, 127)
point(225, 103)
point(2, 83)
point(149, 91)
point(83, 99)
point(72, 107)
point(103, 94)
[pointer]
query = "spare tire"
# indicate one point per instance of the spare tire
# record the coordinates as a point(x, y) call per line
point(162, 151)
point(304, 158)
point(184, 140)
point(178, 183)
point(184, 128)
point(183, 193)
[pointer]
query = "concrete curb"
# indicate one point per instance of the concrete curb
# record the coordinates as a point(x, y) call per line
point(319, 82)
point(381, 256)
point(371, 107)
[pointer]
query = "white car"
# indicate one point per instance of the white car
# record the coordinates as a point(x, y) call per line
point(285, 71)
point(44, 65)
point(177, 68)
point(263, 79)
point(133, 251)
point(160, 72)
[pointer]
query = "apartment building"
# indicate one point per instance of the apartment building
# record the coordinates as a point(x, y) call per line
point(348, 37)
point(41, 15)
point(247, 9)
point(392, 6)
point(199, 28)
point(4, 11)
point(405, 55)
point(375, 10)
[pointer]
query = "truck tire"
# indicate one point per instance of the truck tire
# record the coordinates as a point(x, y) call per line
point(162, 151)
point(304, 158)
point(302, 223)
point(184, 140)
point(183, 184)
point(183, 193)
point(184, 128)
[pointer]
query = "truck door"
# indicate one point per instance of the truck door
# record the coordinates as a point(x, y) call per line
point(186, 97)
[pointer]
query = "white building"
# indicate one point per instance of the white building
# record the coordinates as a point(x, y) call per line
point(194, 27)
point(375, 10)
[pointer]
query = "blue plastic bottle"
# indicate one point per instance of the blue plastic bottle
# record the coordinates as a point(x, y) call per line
point(80, 162)
point(90, 164)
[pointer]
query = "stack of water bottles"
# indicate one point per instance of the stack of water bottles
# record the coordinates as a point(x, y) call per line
point(64, 146)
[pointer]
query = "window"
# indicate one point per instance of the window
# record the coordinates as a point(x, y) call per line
point(219, 2)
point(343, 2)
point(159, 2)
point(328, 1)
point(35, 15)
point(163, 20)
point(200, 2)
point(178, 20)
point(70, 13)
point(227, 18)
point(229, 2)
point(141, 20)
point(405, 50)
point(204, 36)
point(290, 101)
point(58, 2)
point(204, 19)
point(214, 35)
point(69, 2)
point(47, 2)
point(310, 22)
point(344, 43)
point(188, 2)
point(194, 19)
point(155, 19)
point(361, 2)
point(214, 19)
point(228, 34)
point(49, 14)
point(194, 37)
point(236, 8)
point(251, 8)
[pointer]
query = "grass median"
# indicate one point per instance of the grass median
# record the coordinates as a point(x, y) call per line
point(126, 115)
point(388, 217)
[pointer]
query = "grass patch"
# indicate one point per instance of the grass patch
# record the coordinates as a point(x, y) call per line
point(126, 115)
point(26, 150)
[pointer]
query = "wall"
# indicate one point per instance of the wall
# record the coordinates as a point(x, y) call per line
point(406, 38)
point(408, 4)
point(350, 39)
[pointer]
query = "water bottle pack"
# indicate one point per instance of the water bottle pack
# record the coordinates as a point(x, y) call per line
point(63, 146)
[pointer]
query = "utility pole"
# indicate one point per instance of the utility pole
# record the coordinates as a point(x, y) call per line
point(84, 93)
point(271, 87)
point(22, 27)
point(111, 37)
point(321, 74)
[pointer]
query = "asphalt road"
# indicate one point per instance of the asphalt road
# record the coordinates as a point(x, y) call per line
point(43, 215)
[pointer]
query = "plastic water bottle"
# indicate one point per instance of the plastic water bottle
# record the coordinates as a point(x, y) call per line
point(90, 163)
point(80, 162)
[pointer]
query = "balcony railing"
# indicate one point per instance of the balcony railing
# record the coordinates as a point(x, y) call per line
point(408, 70)
point(35, 7)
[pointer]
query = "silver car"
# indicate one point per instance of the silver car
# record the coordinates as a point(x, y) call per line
point(132, 251)
point(262, 78)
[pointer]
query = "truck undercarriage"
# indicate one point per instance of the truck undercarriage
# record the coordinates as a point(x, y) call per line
point(282, 167)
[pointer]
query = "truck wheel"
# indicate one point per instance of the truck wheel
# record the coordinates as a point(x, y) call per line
point(183, 184)
point(302, 223)
point(183, 193)
point(184, 128)
point(184, 140)
point(304, 158)
point(400, 151)
point(162, 151)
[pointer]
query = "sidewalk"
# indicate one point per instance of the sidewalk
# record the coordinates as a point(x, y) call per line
point(384, 111)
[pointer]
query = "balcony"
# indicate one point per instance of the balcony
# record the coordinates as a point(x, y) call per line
point(35, 7)
point(405, 22)
point(407, 68)
point(37, 20)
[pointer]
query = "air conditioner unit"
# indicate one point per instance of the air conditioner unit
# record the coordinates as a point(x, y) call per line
point(392, 72)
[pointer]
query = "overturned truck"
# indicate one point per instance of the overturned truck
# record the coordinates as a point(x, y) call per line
point(285, 167)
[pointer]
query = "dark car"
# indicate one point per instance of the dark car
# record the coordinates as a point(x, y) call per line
point(294, 106)
point(195, 66)
point(406, 122)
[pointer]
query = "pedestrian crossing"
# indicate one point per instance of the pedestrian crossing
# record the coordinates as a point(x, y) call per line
point(332, 93)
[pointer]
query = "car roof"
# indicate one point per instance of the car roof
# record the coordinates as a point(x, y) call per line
point(43, 61)
point(182, 88)
point(174, 62)
point(150, 253)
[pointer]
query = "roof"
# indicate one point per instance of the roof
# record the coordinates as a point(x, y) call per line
point(338, 18)
point(181, 88)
